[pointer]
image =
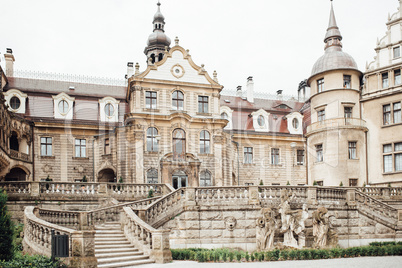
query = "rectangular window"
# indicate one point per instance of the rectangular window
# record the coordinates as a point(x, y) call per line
point(321, 115)
point(107, 146)
point(248, 155)
point(80, 148)
point(384, 80)
point(348, 114)
point(386, 110)
point(352, 150)
point(45, 146)
point(318, 150)
point(397, 77)
point(397, 52)
point(398, 156)
point(202, 104)
point(275, 156)
point(353, 182)
point(397, 112)
point(320, 85)
point(300, 157)
point(320, 183)
point(387, 150)
point(150, 100)
point(347, 79)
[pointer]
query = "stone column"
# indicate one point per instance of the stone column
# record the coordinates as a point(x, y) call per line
point(161, 246)
point(312, 195)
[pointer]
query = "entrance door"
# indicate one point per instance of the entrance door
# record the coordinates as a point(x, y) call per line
point(179, 179)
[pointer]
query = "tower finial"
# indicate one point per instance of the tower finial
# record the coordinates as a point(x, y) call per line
point(333, 36)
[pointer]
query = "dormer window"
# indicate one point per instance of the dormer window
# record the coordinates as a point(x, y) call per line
point(15, 103)
point(295, 123)
point(15, 100)
point(63, 107)
point(109, 110)
point(261, 121)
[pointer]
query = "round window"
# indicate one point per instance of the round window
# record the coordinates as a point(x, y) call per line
point(261, 120)
point(295, 123)
point(109, 109)
point(63, 107)
point(15, 103)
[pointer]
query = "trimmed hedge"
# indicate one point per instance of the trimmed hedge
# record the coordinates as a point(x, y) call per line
point(230, 255)
point(38, 261)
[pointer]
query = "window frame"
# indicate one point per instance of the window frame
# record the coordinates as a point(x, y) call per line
point(321, 115)
point(385, 80)
point(12, 102)
point(82, 148)
point(176, 140)
point(319, 149)
point(151, 96)
point(151, 135)
point(352, 150)
point(247, 155)
point(397, 78)
point(353, 182)
point(176, 100)
point(386, 114)
point(347, 81)
point(204, 177)
point(151, 178)
point(47, 146)
point(275, 156)
point(109, 109)
point(300, 157)
point(320, 85)
point(203, 102)
point(392, 155)
point(62, 112)
point(205, 142)
point(106, 144)
point(396, 55)
point(396, 111)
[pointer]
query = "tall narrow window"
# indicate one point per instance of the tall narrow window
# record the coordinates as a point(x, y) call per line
point(347, 81)
point(386, 114)
point(300, 157)
point(397, 112)
point(178, 100)
point(352, 150)
point(274, 156)
point(224, 116)
point(202, 104)
point(205, 179)
point(348, 112)
point(107, 146)
point(248, 155)
point(318, 150)
point(398, 156)
point(150, 100)
point(321, 115)
point(397, 77)
point(80, 148)
point(397, 52)
point(387, 150)
point(152, 142)
point(320, 85)
point(179, 144)
point(46, 146)
point(384, 80)
point(204, 142)
point(152, 176)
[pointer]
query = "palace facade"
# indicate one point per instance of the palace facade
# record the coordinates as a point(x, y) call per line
point(172, 123)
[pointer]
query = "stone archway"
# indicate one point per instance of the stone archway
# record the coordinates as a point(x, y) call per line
point(16, 174)
point(106, 175)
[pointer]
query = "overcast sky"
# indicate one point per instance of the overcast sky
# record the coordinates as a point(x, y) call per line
point(277, 42)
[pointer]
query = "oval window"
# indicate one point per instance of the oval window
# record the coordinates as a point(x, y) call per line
point(63, 107)
point(295, 123)
point(109, 109)
point(261, 120)
point(15, 103)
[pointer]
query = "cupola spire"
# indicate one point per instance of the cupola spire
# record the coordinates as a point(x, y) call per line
point(333, 36)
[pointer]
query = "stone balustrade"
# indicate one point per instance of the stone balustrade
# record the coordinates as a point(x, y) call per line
point(272, 194)
point(38, 239)
point(331, 195)
point(140, 190)
point(382, 192)
point(151, 241)
point(20, 156)
point(68, 188)
point(336, 123)
point(69, 219)
point(221, 194)
point(17, 187)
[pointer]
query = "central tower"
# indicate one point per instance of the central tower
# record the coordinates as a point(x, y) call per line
point(158, 41)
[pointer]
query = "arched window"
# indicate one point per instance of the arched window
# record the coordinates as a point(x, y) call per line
point(152, 176)
point(178, 101)
point(205, 179)
point(109, 109)
point(15, 103)
point(152, 142)
point(63, 107)
point(224, 116)
point(204, 142)
point(179, 144)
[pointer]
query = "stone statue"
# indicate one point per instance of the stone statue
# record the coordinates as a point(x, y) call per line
point(288, 220)
point(323, 231)
point(266, 228)
point(299, 226)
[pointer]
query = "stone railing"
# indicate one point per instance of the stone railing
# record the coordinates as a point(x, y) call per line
point(17, 187)
point(83, 190)
point(38, 239)
point(330, 195)
point(336, 123)
point(207, 195)
point(70, 219)
point(19, 156)
point(272, 194)
point(371, 207)
point(164, 208)
point(151, 241)
point(382, 192)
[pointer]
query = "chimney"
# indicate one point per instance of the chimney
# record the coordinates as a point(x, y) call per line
point(130, 69)
point(279, 94)
point(250, 89)
point(9, 57)
point(238, 92)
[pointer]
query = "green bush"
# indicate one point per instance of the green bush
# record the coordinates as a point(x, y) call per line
point(38, 261)
point(292, 255)
point(224, 256)
point(238, 256)
point(6, 227)
point(247, 257)
point(284, 255)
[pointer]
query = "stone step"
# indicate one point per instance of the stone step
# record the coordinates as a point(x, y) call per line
point(124, 253)
point(125, 264)
point(111, 242)
point(110, 228)
point(110, 238)
point(121, 259)
point(115, 250)
point(103, 235)
point(109, 232)
point(106, 246)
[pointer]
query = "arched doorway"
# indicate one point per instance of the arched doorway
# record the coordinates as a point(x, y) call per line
point(106, 175)
point(179, 179)
point(16, 174)
point(14, 143)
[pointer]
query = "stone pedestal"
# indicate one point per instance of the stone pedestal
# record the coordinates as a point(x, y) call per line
point(83, 250)
point(190, 197)
point(253, 195)
point(161, 246)
point(351, 197)
point(35, 188)
point(312, 195)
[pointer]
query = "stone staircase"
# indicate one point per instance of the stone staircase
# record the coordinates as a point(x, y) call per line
point(112, 249)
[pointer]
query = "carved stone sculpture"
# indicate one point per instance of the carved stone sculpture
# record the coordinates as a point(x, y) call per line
point(288, 220)
point(230, 223)
point(266, 228)
point(323, 231)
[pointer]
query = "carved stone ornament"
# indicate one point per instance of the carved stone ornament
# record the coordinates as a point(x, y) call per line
point(76, 249)
point(157, 243)
point(267, 225)
point(230, 223)
point(323, 230)
point(166, 243)
point(46, 168)
point(177, 71)
point(89, 247)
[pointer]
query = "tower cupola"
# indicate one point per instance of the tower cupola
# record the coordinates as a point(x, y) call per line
point(158, 41)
